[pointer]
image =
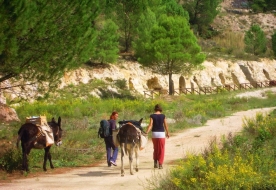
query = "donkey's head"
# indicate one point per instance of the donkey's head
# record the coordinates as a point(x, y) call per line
point(57, 131)
point(134, 122)
point(128, 132)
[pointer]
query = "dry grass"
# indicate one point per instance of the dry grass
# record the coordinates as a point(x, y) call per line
point(230, 40)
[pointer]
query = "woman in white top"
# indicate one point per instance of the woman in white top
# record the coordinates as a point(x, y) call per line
point(159, 127)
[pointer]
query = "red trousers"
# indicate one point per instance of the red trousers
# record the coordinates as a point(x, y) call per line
point(158, 149)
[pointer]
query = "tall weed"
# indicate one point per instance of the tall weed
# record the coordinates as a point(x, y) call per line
point(239, 164)
point(81, 117)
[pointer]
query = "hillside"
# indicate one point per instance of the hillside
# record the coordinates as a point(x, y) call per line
point(221, 69)
point(235, 17)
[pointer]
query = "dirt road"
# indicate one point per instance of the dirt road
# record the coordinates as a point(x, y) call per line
point(103, 177)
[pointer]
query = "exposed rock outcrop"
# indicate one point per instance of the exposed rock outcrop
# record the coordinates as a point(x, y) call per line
point(140, 79)
point(7, 114)
point(214, 74)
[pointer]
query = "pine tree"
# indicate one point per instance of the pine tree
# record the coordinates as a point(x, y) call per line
point(39, 40)
point(172, 49)
point(202, 13)
point(125, 13)
point(146, 22)
point(106, 44)
point(149, 18)
point(255, 40)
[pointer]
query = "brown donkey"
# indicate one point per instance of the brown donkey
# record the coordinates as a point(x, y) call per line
point(129, 139)
point(31, 137)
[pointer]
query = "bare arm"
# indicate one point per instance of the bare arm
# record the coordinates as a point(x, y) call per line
point(166, 128)
point(149, 126)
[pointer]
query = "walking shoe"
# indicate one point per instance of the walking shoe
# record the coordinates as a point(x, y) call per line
point(160, 166)
point(155, 164)
point(113, 163)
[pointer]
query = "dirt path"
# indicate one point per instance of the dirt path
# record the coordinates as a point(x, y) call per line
point(103, 177)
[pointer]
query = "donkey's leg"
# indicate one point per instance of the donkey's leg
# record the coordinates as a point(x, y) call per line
point(46, 156)
point(137, 158)
point(50, 158)
point(122, 159)
point(26, 149)
point(26, 162)
point(25, 159)
point(131, 151)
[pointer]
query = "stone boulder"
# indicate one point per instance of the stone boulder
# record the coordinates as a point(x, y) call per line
point(7, 114)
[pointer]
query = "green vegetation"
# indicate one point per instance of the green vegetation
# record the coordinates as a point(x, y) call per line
point(274, 43)
point(255, 40)
point(202, 13)
point(39, 40)
point(106, 44)
point(229, 44)
point(245, 161)
point(125, 13)
point(263, 5)
point(172, 48)
point(80, 121)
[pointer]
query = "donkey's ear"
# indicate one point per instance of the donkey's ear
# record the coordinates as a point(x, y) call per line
point(53, 119)
point(140, 121)
point(59, 119)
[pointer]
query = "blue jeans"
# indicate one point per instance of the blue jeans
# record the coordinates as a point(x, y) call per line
point(111, 150)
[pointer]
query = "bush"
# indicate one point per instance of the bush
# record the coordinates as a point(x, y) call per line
point(274, 43)
point(11, 160)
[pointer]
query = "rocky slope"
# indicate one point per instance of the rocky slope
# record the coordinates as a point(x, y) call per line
point(139, 79)
point(233, 17)
point(214, 74)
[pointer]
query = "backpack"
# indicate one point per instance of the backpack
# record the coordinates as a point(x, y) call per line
point(104, 130)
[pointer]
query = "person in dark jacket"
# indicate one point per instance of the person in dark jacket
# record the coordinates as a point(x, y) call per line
point(159, 127)
point(111, 149)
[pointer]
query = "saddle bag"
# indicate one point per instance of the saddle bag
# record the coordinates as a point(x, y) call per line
point(37, 120)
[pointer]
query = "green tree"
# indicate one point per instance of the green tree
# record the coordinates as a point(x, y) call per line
point(170, 8)
point(172, 49)
point(149, 18)
point(255, 40)
point(271, 4)
point(202, 13)
point(125, 13)
point(146, 22)
point(263, 5)
point(274, 43)
point(259, 6)
point(39, 40)
point(106, 44)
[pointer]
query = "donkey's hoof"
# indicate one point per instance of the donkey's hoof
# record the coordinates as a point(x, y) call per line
point(137, 169)
point(122, 175)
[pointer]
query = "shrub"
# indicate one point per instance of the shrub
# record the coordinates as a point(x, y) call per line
point(255, 40)
point(274, 43)
point(11, 160)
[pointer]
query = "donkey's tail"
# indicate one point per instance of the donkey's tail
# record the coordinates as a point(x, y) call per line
point(18, 138)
